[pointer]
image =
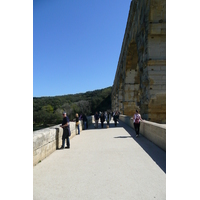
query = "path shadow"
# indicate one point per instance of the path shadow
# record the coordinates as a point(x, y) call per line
point(155, 152)
point(123, 137)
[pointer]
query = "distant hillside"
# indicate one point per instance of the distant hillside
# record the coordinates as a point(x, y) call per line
point(48, 110)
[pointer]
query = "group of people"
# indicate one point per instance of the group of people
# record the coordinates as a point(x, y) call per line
point(136, 119)
point(66, 128)
point(103, 117)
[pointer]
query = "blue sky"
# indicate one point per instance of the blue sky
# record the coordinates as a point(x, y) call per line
point(76, 44)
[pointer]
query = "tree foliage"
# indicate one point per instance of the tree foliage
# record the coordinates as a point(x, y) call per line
point(47, 111)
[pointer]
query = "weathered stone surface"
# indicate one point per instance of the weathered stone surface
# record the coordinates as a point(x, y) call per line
point(47, 140)
point(153, 131)
point(157, 29)
point(141, 72)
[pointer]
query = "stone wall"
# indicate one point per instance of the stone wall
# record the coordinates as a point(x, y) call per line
point(46, 141)
point(140, 79)
point(154, 132)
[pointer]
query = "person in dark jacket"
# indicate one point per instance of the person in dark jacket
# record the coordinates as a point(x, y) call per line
point(84, 121)
point(102, 118)
point(108, 118)
point(66, 131)
point(96, 118)
point(116, 117)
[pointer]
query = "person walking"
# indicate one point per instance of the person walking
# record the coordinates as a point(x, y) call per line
point(102, 118)
point(136, 121)
point(66, 131)
point(96, 118)
point(77, 123)
point(108, 119)
point(105, 114)
point(116, 117)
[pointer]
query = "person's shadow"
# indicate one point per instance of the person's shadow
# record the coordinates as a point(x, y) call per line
point(155, 152)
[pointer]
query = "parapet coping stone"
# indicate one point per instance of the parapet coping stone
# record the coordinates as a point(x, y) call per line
point(149, 122)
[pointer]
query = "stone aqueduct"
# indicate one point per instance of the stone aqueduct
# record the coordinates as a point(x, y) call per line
point(140, 79)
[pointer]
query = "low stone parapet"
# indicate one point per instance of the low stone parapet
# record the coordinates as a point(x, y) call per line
point(47, 140)
point(153, 131)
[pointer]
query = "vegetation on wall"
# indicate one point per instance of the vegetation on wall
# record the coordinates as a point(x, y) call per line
point(47, 111)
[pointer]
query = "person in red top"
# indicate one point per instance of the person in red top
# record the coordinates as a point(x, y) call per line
point(136, 121)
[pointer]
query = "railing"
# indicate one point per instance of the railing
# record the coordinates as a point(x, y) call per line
point(46, 141)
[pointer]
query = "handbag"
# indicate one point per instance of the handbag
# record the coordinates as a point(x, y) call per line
point(77, 123)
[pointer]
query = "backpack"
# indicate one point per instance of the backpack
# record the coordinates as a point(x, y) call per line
point(137, 119)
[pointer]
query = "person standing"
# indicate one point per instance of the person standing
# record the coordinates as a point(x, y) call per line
point(96, 118)
point(102, 118)
point(116, 117)
point(77, 123)
point(136, 121)
point(105, 114)
point(84, 121)
point(108, 119)
point(66, 131)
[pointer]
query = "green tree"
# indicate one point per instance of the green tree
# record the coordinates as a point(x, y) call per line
point(48, 108)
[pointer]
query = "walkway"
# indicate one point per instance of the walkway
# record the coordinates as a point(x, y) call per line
point(103, 164)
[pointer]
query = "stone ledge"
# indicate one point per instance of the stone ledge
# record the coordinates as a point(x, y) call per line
point(46, 141)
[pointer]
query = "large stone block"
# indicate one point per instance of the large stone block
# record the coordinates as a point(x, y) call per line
point(153, 68)
point(157, 73)
point(157, 108)
point(157, 29)
point(156, 91)
point(129, 108)
point(157, 47)
point(157, 11)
